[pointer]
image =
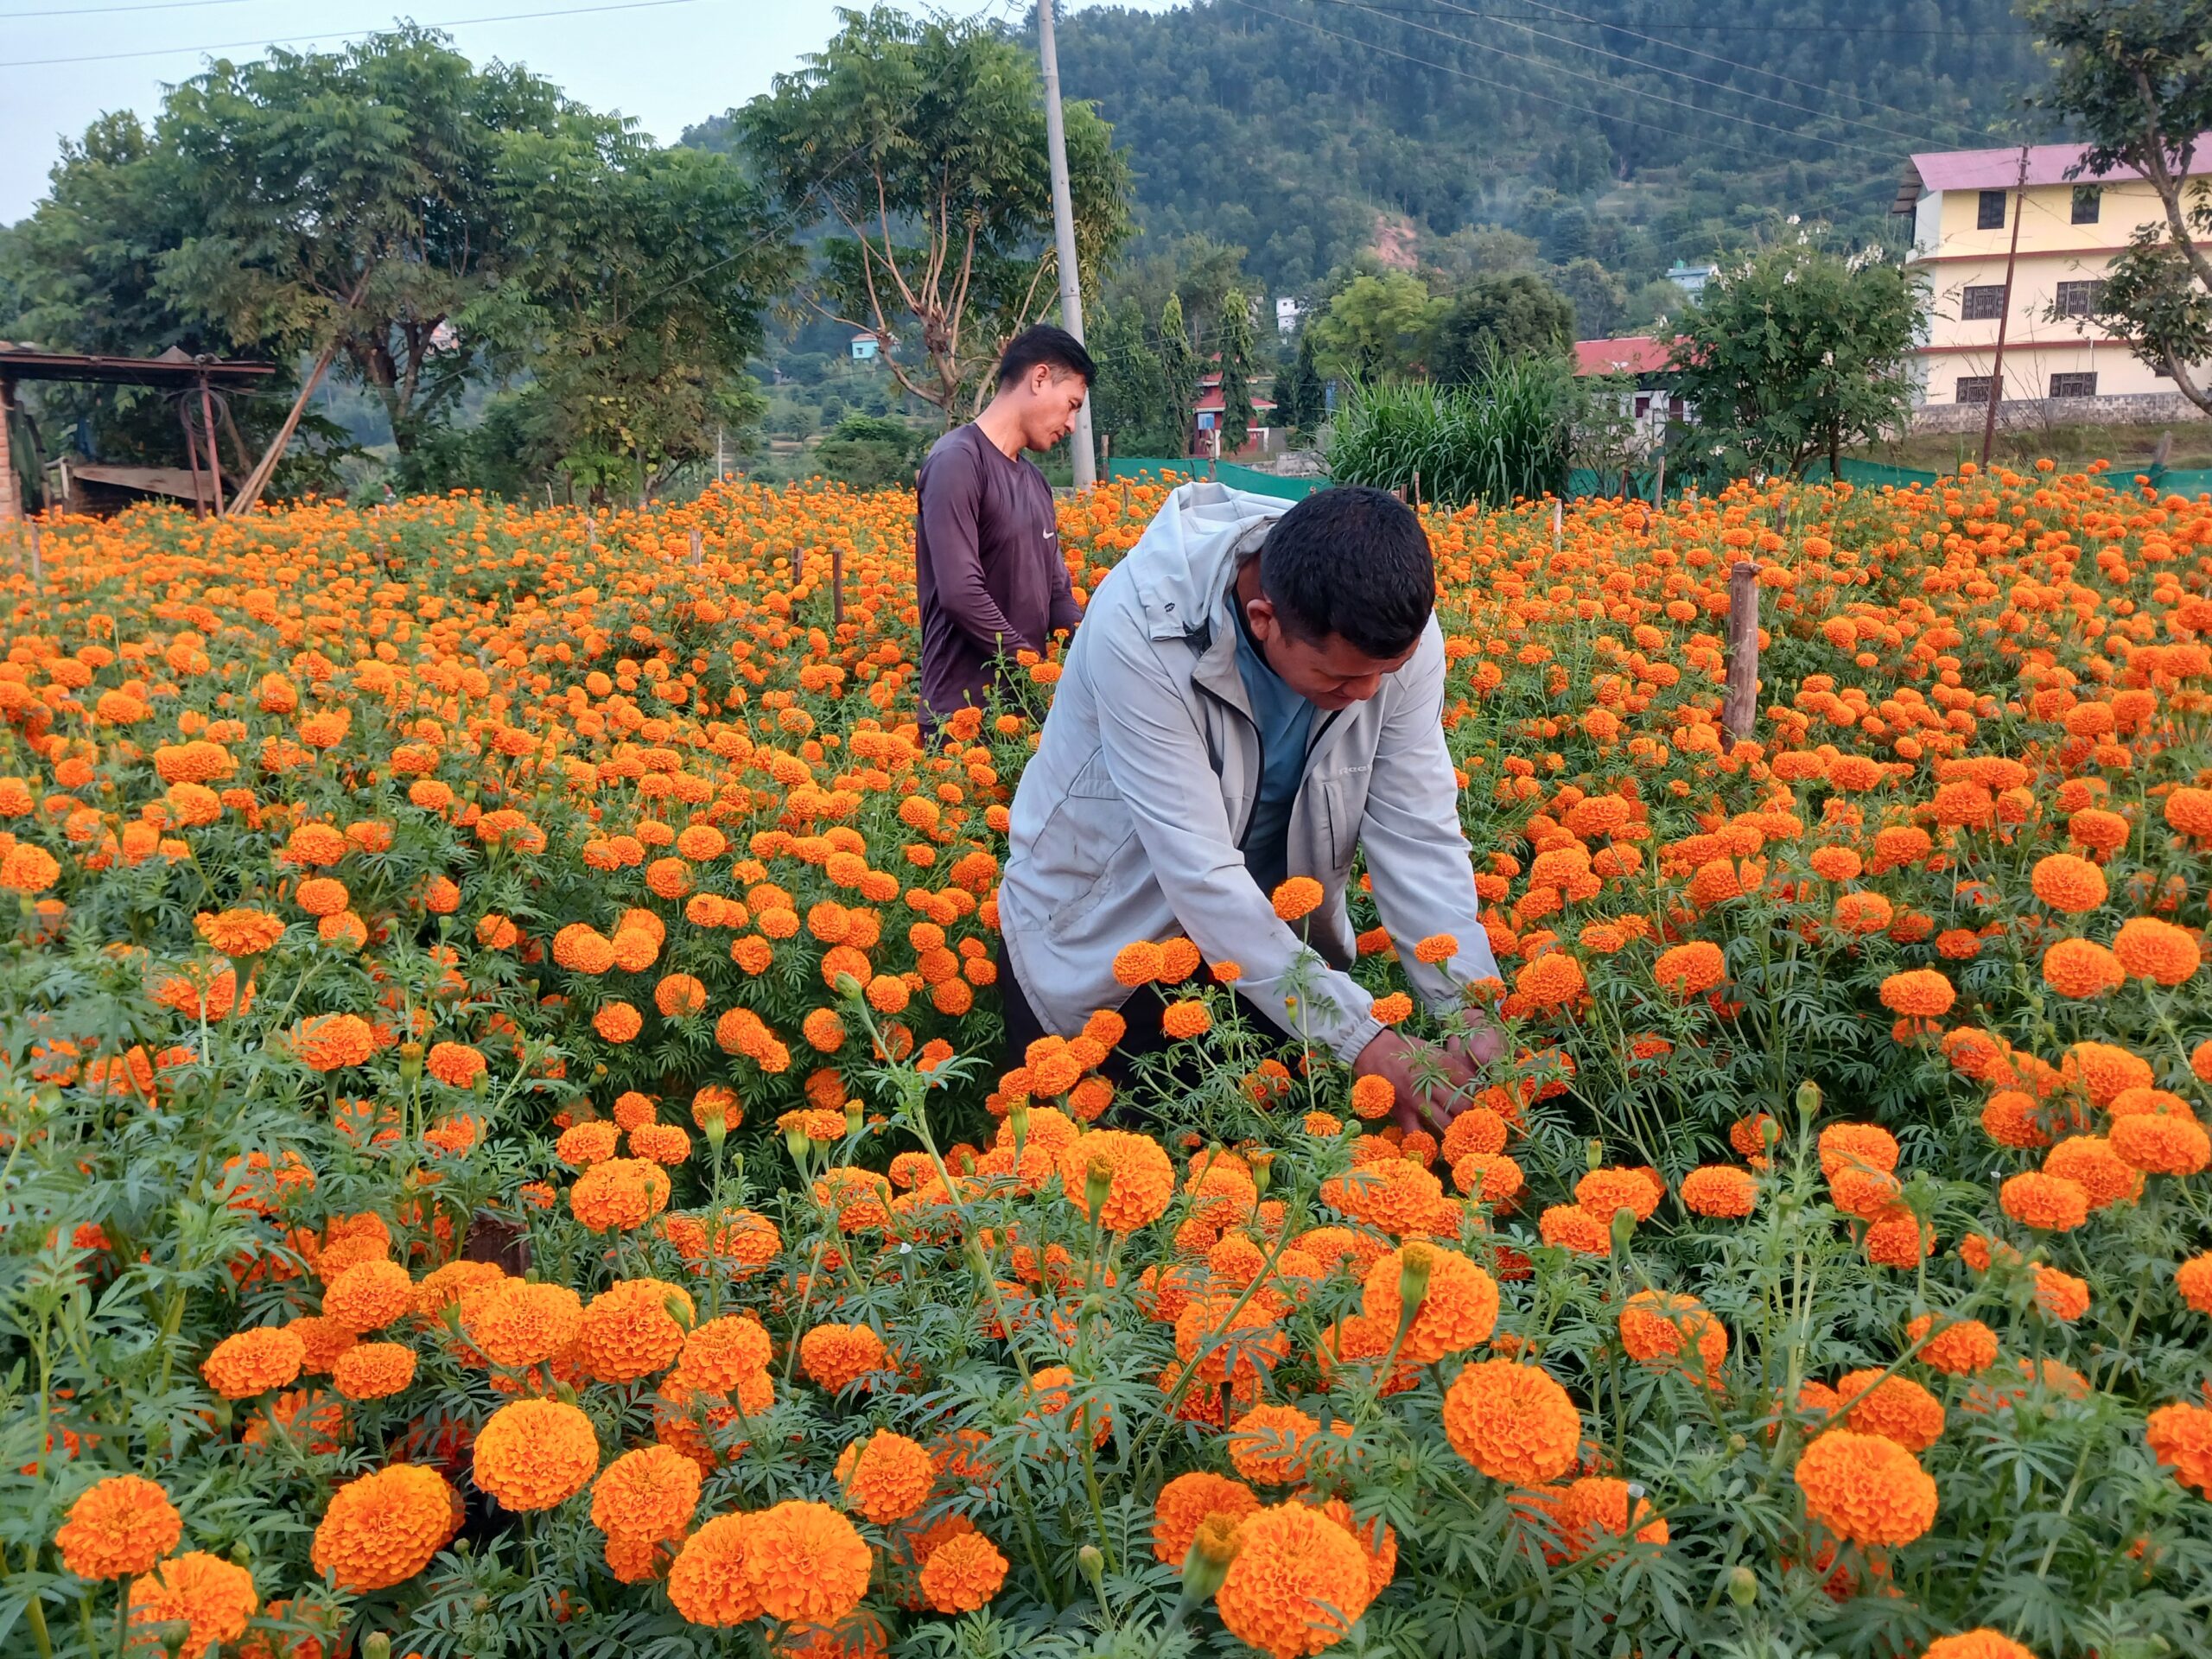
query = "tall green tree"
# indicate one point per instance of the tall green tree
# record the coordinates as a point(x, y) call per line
point(922, 142)
point(1179, 366)
point(1234, 361)
point(640, 278)
point(1796, 353)
point(2135, 76)
point(1497, 318)
point(1379, 324)
point(1128, 404)
point(1308, 397)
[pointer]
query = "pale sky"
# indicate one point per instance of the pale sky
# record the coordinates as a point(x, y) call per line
point(669, 63)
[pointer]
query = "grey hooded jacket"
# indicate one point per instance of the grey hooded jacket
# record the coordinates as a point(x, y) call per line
point(1127, 820)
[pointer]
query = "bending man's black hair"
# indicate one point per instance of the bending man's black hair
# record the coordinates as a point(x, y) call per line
point(1353, 563)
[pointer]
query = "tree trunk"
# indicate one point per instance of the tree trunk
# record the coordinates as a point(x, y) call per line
point(258, 480)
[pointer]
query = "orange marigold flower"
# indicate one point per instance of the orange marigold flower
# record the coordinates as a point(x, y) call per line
point(1185, 1018)
point(2159, 1143)
point(239, 932)
point(329, 1042)
point(368, 1296)
point(2067, 883)
point(1141, 1179)
point(2079, 968)
point(1188, 1500)
point(1659, 1328)
point(1918, 993)
point(1512, 1422)
point(633, 1329)
point(455, 1065)
point(2180, 1436)
point(2150, 949)
point(1571, 1227)
point(1605, 1193)
point(211, 1596)
point(1690, 970)
point(1957, 1347)
point(2088, 1161)
point(1269, 1444)
point(620, 1194)
point(2047, 1202)
point(1297, 1581)
point(384, 1527)
point(1865, 1488)
point(534, 1454)
point(1720, 1189)
point(118, 1529)
point(253, 1362)
point(1458, 1301)
point(1896, 1408)
point(518, 1323)
point(807, 1563)
point(1862, 913)
point(707, 1583)
point(1857, 1146)
point(1437, 947)
point(887, 1477)
point(1552, 980)
point(1977, 1644)
point(2193, 1279)
point(2060, 1294)
point(962, 1573)
point(374, 1371)
point(646, 1494)
point(1298, 897)
point(836, 1355)
point(618, 1022)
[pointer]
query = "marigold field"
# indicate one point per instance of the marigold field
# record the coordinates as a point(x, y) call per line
point(505, 1153)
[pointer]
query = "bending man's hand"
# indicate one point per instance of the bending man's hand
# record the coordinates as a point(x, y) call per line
point(1430, 1084)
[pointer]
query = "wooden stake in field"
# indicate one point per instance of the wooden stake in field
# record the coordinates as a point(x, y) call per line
point(836, 585)
point(1739, 708)
point(695, 548)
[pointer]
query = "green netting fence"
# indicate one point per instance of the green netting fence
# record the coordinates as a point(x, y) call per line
point(1222, 471)
point(1867, 474)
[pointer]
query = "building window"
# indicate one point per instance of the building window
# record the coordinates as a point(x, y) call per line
point(1992, 214)
point(2083, 299)
point(2088, 201)
point(1982, 303)
point(2073, 386)
point(1973, 388)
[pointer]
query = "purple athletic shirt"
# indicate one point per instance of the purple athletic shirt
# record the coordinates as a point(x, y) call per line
point(987, 565)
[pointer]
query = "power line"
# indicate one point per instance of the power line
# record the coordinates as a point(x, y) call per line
point(1683, 74)
point(1615, 84)
point(1503, 85)
point(95, 11)
point(1734, 27)
point(340, 35)
point(1712, 57)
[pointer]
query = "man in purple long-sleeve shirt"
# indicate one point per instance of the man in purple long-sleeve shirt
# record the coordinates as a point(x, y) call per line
point(986, 547)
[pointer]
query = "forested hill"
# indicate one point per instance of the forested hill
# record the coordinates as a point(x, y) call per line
point(1665, 132)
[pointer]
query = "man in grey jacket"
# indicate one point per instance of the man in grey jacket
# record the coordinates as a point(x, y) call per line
point(1254, 693)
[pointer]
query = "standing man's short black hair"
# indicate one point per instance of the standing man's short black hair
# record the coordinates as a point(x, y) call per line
point(1353, 563)
point(1043, 343)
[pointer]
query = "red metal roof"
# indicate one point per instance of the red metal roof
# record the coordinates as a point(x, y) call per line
point(1630, 354)
point(1211, 402)
point(1999, 169)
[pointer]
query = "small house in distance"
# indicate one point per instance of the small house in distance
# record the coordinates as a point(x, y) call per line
point(1691, 279)
point(1206, 413)
point(1643, 359)
point(867, 348)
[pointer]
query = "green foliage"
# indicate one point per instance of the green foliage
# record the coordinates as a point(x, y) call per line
point(2135, 78)
point(1130, 403)
point(1300, 398)
point(921, 142)
point(1284, 127)
point(1794, 353)
point(1179, 371)
point(1380, 324)
point(1235, 363)
point(870, 452)
point(1506, 433)
point(1495, 318)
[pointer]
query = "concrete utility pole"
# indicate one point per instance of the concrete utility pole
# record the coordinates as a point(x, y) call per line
point(1996, 368)
point(1056, 145)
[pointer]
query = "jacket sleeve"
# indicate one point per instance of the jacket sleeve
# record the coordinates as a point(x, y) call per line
point(1156, 760)
point(951, 501)
point(1418, 858)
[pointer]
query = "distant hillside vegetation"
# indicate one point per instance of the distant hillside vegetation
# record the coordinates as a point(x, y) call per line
point(1669, 131)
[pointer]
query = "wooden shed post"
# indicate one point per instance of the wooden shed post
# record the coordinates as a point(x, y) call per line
point(11, 500)
point(1739, 708)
